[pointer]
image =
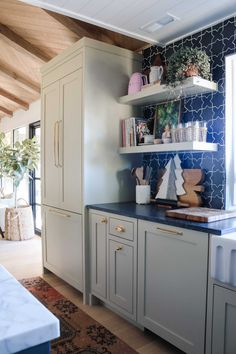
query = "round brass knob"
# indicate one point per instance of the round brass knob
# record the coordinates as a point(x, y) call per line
point(120, 229)
point(104, 221)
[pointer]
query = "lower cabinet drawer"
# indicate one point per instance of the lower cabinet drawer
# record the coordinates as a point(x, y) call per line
point(121, 228)
point(122, 276)
point(62, 245)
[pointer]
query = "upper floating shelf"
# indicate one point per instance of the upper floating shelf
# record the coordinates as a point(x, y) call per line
point(159, 93)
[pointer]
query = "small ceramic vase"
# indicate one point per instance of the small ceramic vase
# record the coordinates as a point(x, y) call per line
point(155, 74)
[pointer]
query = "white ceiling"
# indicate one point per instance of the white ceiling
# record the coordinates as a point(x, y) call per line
point(130, 16)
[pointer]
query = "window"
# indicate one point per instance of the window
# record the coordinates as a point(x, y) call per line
point(6, 183)
point(21, 134)
point(35, 183)
point(230, 132)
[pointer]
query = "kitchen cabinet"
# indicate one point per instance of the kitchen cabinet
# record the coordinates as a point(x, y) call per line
point(61, 104)
point(223, 321)
point(98, 234)
point(51, 178)
point(121, 269)
point(62, 244)
point(172, 284)
point(113, 250)
point(70, 136)
point(80, 135)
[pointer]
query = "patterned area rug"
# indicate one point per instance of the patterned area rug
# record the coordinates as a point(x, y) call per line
point(80, 334)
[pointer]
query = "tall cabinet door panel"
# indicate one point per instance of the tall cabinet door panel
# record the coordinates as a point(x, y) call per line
point(121, 275)
point(50, 144)
point(70, 155)
point(224, 321)
point(98, 232)
point(172, 280)
point(63, 245)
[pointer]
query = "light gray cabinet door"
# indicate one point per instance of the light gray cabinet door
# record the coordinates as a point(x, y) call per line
point(224, 321)
point(62, 245)
point(70, 141)
point(98, 238)
point(121, 275)
point(51, 175)
point(172, 281)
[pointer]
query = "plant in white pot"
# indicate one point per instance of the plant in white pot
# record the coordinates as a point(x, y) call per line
point(187, 62)
point(16, 163)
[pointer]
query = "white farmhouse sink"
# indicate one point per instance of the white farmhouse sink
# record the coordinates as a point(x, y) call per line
point(223, 258)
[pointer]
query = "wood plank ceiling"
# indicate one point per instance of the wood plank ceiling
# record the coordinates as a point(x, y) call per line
point(29, 37)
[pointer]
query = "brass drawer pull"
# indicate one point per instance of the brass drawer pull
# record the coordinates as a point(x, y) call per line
point(104, 221)
point(120, 248)
point(172, 232)
point(120, 229)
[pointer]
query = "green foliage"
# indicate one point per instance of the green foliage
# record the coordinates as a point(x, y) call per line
point(17, 162)
point(167, 114)
point(182, 60)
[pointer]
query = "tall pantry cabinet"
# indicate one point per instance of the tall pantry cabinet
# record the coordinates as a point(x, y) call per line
point(80, 139)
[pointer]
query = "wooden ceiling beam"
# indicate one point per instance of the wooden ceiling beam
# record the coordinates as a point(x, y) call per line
point(71, 24)
point(14, 99)
point(82, 29)
point(6, 111)
point(20, 44)
point(19, 79)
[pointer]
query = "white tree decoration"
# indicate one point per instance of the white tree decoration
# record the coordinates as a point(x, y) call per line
point(167, 189)
point(172, 180)
point(179, 178)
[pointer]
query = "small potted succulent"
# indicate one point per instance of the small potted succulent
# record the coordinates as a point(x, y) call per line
point(187, 62)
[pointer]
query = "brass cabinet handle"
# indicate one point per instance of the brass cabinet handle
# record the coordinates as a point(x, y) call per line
point(120, 248)
point(169, 231)
point(55, 138)
point(120, 229)
point(59, 147)
point(104, 221)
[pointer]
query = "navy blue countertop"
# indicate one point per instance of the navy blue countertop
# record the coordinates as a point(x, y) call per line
point(153, 213)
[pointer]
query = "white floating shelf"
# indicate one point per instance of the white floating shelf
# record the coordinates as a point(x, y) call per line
point(193, 146)
point(158, 93)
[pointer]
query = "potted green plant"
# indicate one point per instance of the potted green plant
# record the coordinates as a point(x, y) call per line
point(16, 163)
point(187, 62)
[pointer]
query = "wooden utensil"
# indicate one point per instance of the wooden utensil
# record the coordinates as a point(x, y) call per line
point(139, 174)
point(133, 173)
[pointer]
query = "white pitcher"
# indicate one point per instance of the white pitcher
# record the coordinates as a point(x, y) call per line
point(155, 74)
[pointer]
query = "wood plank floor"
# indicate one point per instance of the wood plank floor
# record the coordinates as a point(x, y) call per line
point(23, 260)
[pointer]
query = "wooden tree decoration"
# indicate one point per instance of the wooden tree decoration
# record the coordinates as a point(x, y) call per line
point(192, 180)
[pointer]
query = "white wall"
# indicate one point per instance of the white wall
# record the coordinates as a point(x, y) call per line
point(21, 117)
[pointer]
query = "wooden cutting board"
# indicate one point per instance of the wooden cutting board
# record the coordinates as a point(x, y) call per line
point(201, 214)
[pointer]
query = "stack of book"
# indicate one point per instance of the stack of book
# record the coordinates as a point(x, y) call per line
point(133, 130)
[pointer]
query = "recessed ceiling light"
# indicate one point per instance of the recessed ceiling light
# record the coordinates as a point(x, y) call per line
point(155, 25)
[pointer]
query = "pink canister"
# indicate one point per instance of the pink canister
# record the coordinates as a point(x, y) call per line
point(136, 83)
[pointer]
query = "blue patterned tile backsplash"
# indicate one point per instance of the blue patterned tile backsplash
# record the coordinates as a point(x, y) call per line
point(218, 41)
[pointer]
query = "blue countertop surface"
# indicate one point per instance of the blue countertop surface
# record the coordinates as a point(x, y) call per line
point(153, 213)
